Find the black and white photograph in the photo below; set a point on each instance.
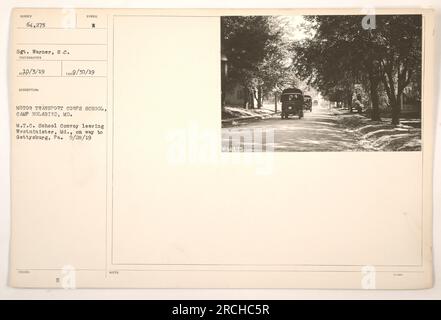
(321, 83)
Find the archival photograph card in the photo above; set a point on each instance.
(215, 148)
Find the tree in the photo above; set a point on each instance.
(342, 53)
(243, 42)
(258, 55)
(401, 61)
(335, 57)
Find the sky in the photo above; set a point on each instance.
(295, 26)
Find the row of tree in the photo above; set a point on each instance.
(338, 56)
(383, 58)
(258, 56)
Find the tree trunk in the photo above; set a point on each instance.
(396, 110)
(394, 97)
(349, 100)
(251, 98)
(259, 97)
(373, 81)
(246, 97)
(223, 98)
(275, 102)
